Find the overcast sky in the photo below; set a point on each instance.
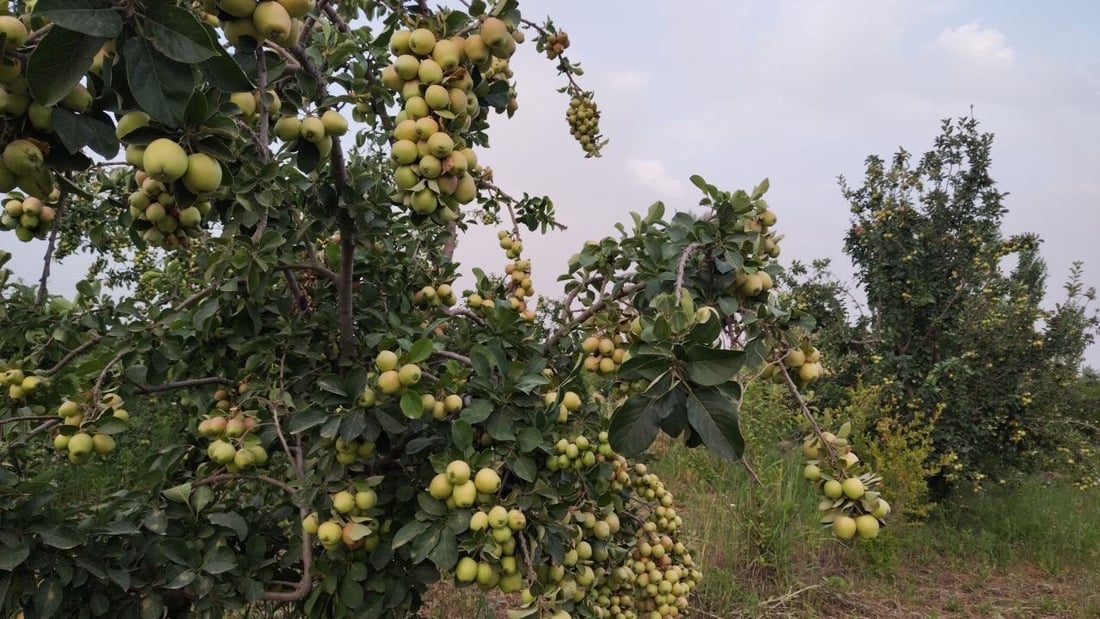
(799, 91)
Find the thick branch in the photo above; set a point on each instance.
(72, 354)
(453, 355)
(302, 589)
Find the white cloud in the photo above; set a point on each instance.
(975, 46)
(652, 174)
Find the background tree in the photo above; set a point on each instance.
(956, 326)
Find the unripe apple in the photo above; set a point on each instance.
(437, 97)
(245, 101)
(129, 122)
(330, 534)
(244, 459)
(405, 152)
(312, 129)
(794, 358)
(389, 382)
(334, 123)
(343, 502)
(22, 157)
(272, 20)
(812, 472)
(516, 520)
(464, 494)
(833, 489)
(440, 145)
(452, 403)
(366, 499)
(498, 517)
(867, 526)
(407, 67)
(80, 444)
(844, 527)
(809, 371)
(190, 217)
(61, 442)
(440, 487)
(238, 8)
(41, 117)
(406, 130)
(853, 488)
(297, 8)
(135, 155)
(288, 128)
(14, 31)
(103, 443)
(259, 454)
(466, 570)
(68, 408)
(421, 41)
(409, 374)
(311, 523)
(495, 33)
(466, 190)
(391, 79)
(204, 173)
(78, 99)
(458, 472)
(479, 521)
(882, 509)
(164, 160)
(476, 50)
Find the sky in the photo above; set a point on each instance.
(798, 91)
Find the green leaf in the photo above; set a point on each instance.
(445, 553)
(528, 439)
(61, 536)
(409, 532)
(202, 497)
(59, 61)
(635, 424)
(525, 468)
(48, 597)
(178, 34)
(418, 352)
(98, 18)
(761, 189)
(223, 72)
(462, 434)
(230, 520)
(218, 560)
(11, 558)
(79, 130)
(332, 384)
(351, 593)
(304, 420)
(178, 494)
(412, 405)
(708, 366)
(160, 85)
(477, 412)
(712, 413)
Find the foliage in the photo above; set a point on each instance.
(346, 432)
(900, 451)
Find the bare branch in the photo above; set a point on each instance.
(453, 355)
(51, 245)
(72, 354)
(682, 266)
(829, 449)
(183, 384)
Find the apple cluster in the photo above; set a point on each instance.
(459, 486)
(278, 20)
(584, 123)
(518, 285)
(434, 169)
(577, 453)
(233, 442)
(851, 502)
(319, 130)
(435, 296)
(20, 384)
(554, 44)
(570, 403)
(173, 186)
(29, 217)
(497, 566)
(80, 446)
(604, 354)
(352, 525)
(348, 452)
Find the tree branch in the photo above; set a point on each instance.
(682, 266)
(183, 384)
(220, 477)
(588, 313)
(829, 449)
(40, 300)
(72, 354)
(453, 355)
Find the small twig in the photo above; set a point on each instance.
(783, 599)
(51, 245)
(183, 384)
(26, 418)
(94, 397)
(72, 354)
(220, 477)
(752, 473)
(829, 449)
(462, 311)
(453, 355)
(316, 268)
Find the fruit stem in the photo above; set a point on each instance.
(40, 300)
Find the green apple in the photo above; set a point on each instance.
(844, 527)
(164, 160)
(22, 157)
(271, 20)
(334, 122)
(204, 173)
(440, 487)
(389, 382)
(409, 374)
(80, 444)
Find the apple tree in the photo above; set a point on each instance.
(350, 427)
